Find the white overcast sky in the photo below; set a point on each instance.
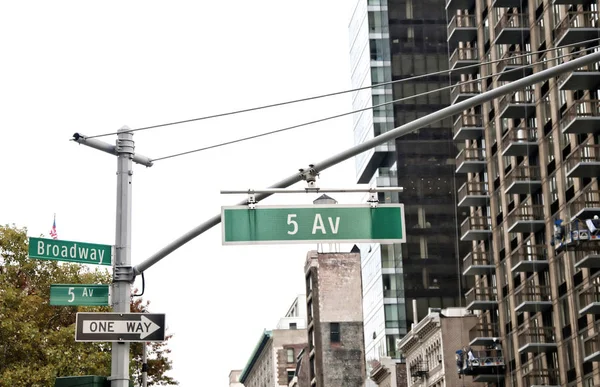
(92, 67)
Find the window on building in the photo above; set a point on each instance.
(334, 332)
(290, 375)
(290, 355)
(293, 325)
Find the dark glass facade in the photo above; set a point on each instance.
(426, 158)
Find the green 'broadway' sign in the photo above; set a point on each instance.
(79, 252)
(78, 295)
(313, 224)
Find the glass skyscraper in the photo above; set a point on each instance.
(394, 40)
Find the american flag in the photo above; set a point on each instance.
(53, 233)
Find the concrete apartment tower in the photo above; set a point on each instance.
(335, 320)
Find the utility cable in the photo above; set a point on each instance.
(356, 111)
(443, 72)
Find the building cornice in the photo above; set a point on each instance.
(262, 342)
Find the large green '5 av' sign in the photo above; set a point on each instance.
(313, 224)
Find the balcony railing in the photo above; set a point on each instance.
(518, 105)
(463, 54)
(483, 333)
(511, 28)
(526, 218)
(589, 299)
(473, 193)
(532, 298)
(511, 65)
(519, 141)
(576, 27)
(536, 339)
(476, 227)
(587, 255)
(464, 91)
(584, 161)
(523, 179)
(478, 261)
(535, 375)
(591, 346)
(468, 126)
(479, 298)
(586, 78)
(529, 258)
(462, 28)
(581, 117)
(586, 204)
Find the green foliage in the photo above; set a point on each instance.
(37, 341)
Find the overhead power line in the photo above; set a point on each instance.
(443, 72)
(519, 68)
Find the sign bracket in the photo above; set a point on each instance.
(123, 273)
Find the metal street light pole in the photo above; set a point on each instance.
(123, 275)
(381, 139)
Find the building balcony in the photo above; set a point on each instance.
(588, 256)
(576, 27)
(473, 194)
(507, 3)
(462, 28)
(584, 161)
(512, 28)
(510, 68)
(520, 104)
(534, 376)
(468, 127)
(418, 369)
(478, 262)
(526, 218)
(484, 334)
(519, 141)
(481, 298)
(471, 160)
(523, 179)
(454, 5)
(581, 117)
(476, 228)
(536, 339)
(581, 79)
(569, 2)
(532, 298)
(464, 91)
(528, 259)
(591, 348)
(464, 60)
(589, 299)
(586, 204)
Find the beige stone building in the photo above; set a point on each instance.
(434, 349)
(532, 162)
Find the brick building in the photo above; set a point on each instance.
(335, 319)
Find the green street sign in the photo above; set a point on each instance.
(79, 295)
(79, 252)
(313, 224)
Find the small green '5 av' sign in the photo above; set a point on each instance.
(79, 295)
(68, 251)
(313, 224)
